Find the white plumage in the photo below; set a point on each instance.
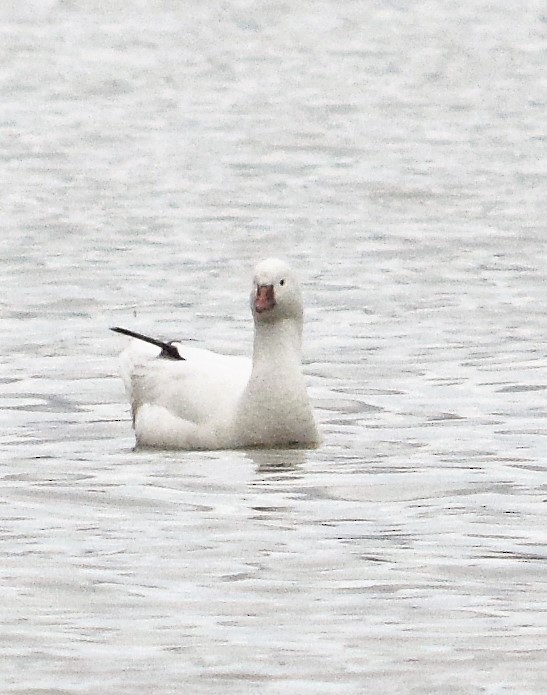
(198, 399)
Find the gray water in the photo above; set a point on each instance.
(395, 153)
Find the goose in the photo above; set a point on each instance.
(183, 397)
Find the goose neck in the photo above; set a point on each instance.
(280, 339)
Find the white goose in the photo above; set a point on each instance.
(190, 398)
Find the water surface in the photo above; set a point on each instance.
(395, 154)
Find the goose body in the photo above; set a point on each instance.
(189, 398)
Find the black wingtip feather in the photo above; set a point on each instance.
(168, 350)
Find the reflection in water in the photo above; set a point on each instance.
(277, 474)
(279, 461)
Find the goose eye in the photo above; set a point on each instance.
(282, 282)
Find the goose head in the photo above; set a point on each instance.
(276, 293)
